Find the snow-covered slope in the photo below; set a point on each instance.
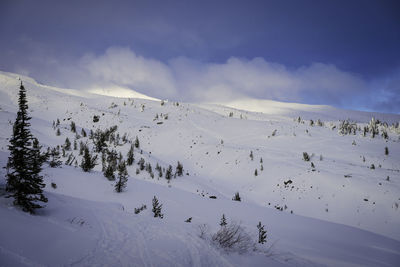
(340, 212)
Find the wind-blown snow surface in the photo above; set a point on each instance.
(336, 220)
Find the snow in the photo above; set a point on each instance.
(336, 220)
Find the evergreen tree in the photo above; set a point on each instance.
(223, 221)
(24, 182)
(58, 132)
(130, 158)
(251, 155)
(81, 148)
(67, 144)
(236, 197)
(386, 150)
(168, 173)
(255, 172)
(43, 156)
(137, 144)
(75, 145)
(159, 169)
(262, 234)
(83, 132)
(103, 161)
(88, 162)
(179, 169)
(157, 208)
(306, 157)
(122, 177)
(54, 158)
(73, 127)
(141, 163)
(109, 173)
(148, 168)
(112, 159)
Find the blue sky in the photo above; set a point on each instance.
(341, 53)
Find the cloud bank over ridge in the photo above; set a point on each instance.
(186, 79)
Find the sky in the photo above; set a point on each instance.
(340, 53)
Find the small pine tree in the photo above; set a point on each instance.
(54, 158)
(88, 161)
(73, 127)
(109, 173)
(137, 144)
(262, 234)
(157, 208)
(159, 169)
(130, 158)
(251, 155)
(223, 221)
(372, 166)
(386, 151)
(75, 145)
(168, 173)
(83, 132)
(261, 160)
(122, 177)
(255, 172)
(58, 132)
(148, 168)
(236, 197)
(179, 169)
(67, 145)
(141, 164)
(261, 167)
(306, 157)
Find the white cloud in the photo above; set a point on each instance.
(185, 79)
(121, 66)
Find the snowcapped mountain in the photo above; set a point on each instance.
(327, 192)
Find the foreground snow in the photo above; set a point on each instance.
(343, 212)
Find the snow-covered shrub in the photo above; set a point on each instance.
(140, 209)
(306, 157)
(96, 118)
(233, 238)
(236, 197)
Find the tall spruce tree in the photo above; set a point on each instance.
(24, 182)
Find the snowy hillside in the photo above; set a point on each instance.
(327, 191)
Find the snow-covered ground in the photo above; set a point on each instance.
(340, 212)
